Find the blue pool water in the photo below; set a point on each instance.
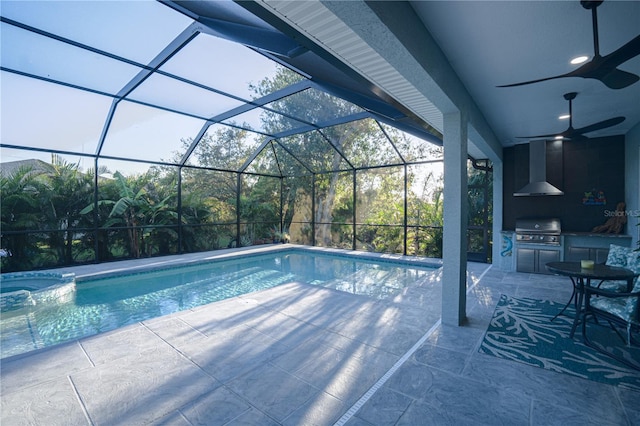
(98, 305)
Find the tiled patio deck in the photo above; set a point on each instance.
(303, 355)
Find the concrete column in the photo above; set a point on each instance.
(454, 250)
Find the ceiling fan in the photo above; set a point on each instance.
(603, 68)
(578, 134)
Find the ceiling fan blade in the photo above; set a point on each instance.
(618, 79)
(614, 79)
(577, 134)
(624, 53)
(570, 135)
(576, 137)
(600, 125)
(603, 68)
(596, 68)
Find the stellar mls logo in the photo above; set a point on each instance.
(618, 213)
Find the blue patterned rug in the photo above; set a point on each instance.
(521, 330)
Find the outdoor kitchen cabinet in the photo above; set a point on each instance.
(588, 246)
(576, 254)
(533, 260)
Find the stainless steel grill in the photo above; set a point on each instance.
(544, 231)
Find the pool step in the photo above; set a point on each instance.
(376, 283)
(236, 283)
(19, 334)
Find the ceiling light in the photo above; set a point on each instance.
(564, 117)
(579, 59)
(558, 137)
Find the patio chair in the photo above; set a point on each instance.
(621, 309)
(618, 256)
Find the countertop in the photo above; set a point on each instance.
(582, 234)
(594, 234)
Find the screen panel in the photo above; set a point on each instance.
(144, 133)
(45, 115)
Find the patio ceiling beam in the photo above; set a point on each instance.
(260, 38)
(265, 39)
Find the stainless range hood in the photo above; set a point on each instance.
(538, 185)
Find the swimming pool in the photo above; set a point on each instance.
(99, 304)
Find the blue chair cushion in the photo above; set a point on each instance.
(625, 308)
(633, 263)
(618, 255)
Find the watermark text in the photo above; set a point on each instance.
(618, 213)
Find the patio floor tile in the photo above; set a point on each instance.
(136, 392)
(273, 390)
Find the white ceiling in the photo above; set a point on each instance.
(490, 43)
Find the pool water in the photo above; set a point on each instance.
(99, 305)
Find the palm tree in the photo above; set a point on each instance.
(127, 210)
(68, 190)
(20, 211)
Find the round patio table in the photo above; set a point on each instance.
(581, 277)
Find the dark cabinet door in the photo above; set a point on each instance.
(576, 254)
(546, 256)
(601, 255)
(526, 260)
(535, 260)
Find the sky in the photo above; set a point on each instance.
(45, 115)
